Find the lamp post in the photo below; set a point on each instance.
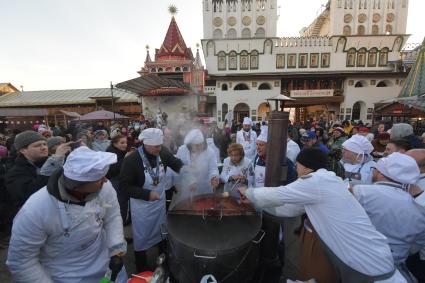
(113, 102)
(270, 268)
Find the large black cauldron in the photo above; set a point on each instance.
(211, 234)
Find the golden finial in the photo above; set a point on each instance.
(172, 9)
(147, 46)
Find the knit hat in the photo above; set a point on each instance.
(51, 142)
(313, 158)
(26, 138)
(401, 130)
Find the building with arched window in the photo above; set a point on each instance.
(338, 66)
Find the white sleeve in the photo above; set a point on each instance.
(420, 200)
(301, 192)
(113, 221)
(212, 165)
(225, 172)
(28, 237)
(52, 164)
(238, 138)
(287, 210)
(360, 192)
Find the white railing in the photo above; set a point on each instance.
(303, 41)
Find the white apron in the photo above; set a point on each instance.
(84, 256)
(357, 174)
(148, 216)
(259, 175)
(248, 146)
(231, 186)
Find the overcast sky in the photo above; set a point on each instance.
(58, 44)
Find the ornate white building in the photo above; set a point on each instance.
(343, 63)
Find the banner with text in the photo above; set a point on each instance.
(312, 93)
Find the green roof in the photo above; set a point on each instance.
(63, 97)
(414, 85)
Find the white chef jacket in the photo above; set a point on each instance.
(394, 213)
(38, 242)
(203, 166)
(249, 147)
(292, 150)
(229, 169)
(337, 217)
(420, 200)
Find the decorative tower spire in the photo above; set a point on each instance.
(173, 46)
(198, 62)
(172, 9)
(148, 57)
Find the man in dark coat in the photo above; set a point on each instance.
(32, 167)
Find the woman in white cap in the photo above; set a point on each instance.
(70, 230)
(247, 138)
(235, 169)
(357, 160)
(392, 209)
(201, 161)
(142, 177)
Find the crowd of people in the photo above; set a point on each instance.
(71, 191)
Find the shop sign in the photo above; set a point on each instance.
(312, 93)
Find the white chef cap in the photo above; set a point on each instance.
(358, 144)
(247, 121)
(399, 167)
(152, 136)
(86, 165)
(264, 133)
(194, 136)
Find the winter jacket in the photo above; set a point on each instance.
(23, 179)
(115, 169)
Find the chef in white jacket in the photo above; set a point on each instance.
(355, 249)
(69, 230)
(292, 149)
(235, 170)
(201, 160)
(392, 209)
(247, 138)
(418, 193)
(357, 160)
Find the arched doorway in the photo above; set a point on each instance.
(263, 111)
(241, 111)
(359, 111)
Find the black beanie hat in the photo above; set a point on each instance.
(313, 158)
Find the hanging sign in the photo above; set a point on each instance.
(312, 93)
